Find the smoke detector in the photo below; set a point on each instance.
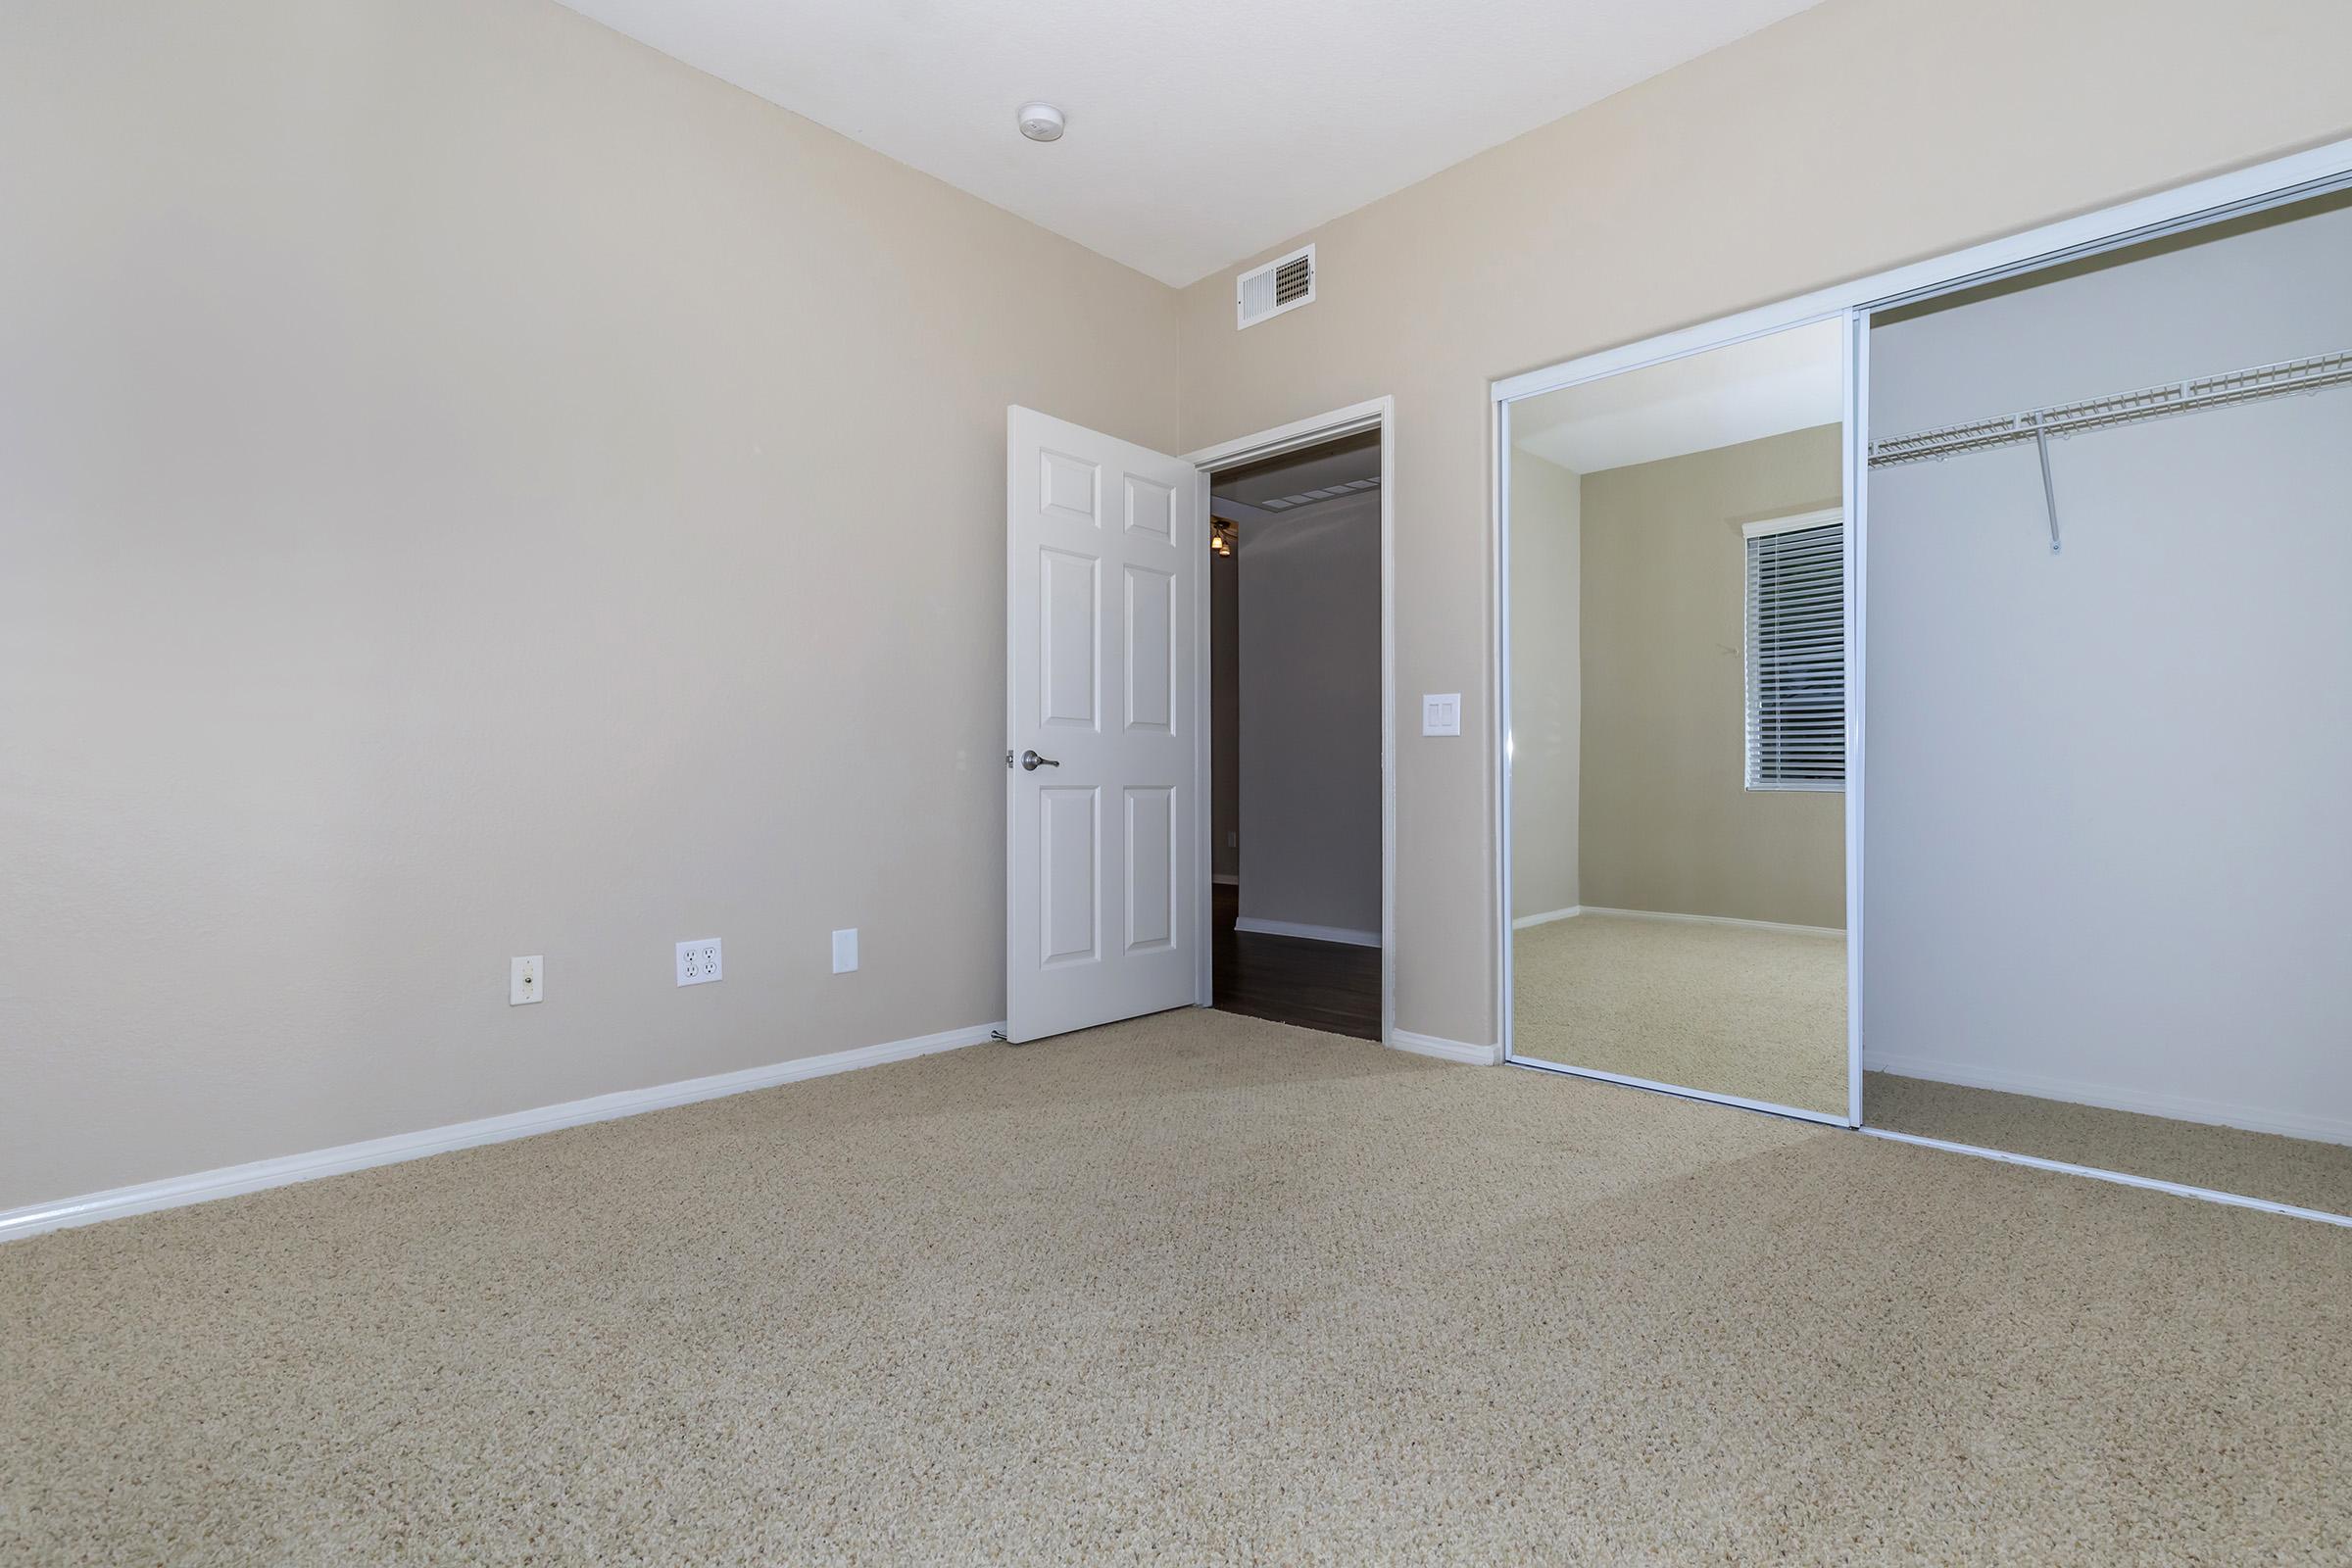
(1040, 123)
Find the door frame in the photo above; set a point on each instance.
(1374, 414)
(2196, 204)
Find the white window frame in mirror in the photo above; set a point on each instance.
(1750, 635)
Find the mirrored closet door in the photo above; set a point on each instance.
(1676, 751)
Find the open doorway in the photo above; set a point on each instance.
(1296, 829)
(1108, 897)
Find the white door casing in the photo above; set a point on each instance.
(1103, 564)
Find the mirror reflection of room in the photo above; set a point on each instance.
(1677, 724)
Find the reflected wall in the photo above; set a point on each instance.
(1676, 918)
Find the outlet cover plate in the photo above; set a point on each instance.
(1441, 713)
(526, 981)
(699, 961)
(845, 951)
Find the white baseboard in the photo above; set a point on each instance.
(1547, 916)
(1312, 933)
(231, 1179)
(1713, 920)
(1445, 1049)
(2177, 1107)
(1224, 881)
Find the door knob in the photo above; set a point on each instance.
(1031, 761)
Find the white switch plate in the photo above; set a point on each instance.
(698, 962)
(1441, 713)
(526, 981)
(845, 951)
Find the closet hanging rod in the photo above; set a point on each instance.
(2125, 408)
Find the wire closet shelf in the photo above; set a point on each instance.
(2284, 379)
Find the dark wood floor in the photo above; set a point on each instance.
(1330, 986)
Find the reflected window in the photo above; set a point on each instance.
(1797, 654)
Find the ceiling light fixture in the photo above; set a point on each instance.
(1040, 123)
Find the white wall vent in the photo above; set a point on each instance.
(1283, 284)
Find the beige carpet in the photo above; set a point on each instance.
(1731, 1010)
(2227, 1159)
(1195, 1290)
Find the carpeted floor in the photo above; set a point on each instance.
(2227, 1159)
(1192, 1290)
(1732, 1009)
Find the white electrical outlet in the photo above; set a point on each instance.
(698, 962)
(526, 981)
(845, 951)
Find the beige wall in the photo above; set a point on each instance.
(1309, 660)
(1851, 137)
(472, 486)
(1547, 685)
(1668, 823)
(1225, 713)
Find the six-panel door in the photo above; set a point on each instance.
(1102, 569)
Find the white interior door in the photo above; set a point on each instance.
(1102, 710)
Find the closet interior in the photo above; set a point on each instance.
(2109, 712)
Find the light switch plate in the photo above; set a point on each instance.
(698, 962)
(1441, 713)
(526, 981)
(845, 951)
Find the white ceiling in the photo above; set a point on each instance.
(1792, 380)
(1200, 132)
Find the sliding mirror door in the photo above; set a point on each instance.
(1675, 754)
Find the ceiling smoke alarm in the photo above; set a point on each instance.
(1041, 122)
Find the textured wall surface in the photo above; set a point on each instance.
(473, 486)
(1668, 821)
(1310, 716)
(1547, 695)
